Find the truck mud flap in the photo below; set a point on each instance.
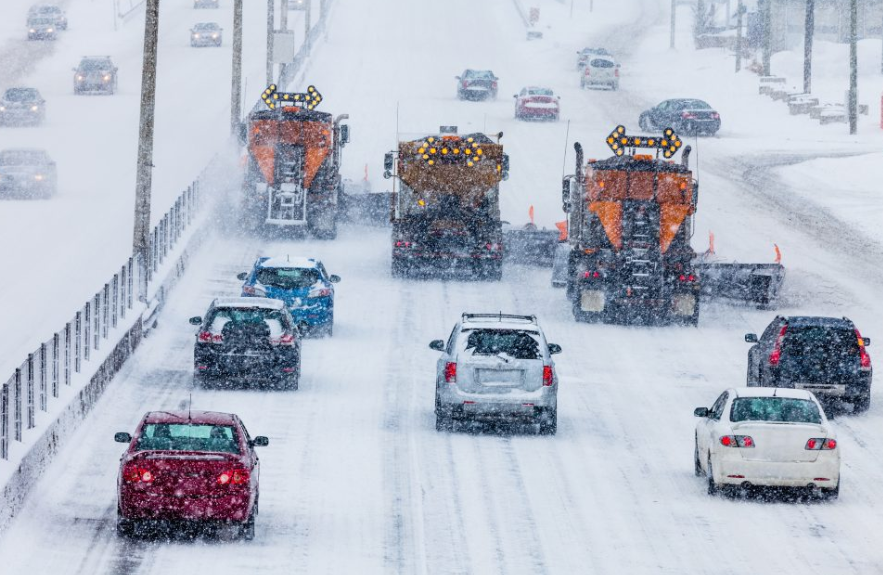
(559, 265)
(753, 283)
(531, 247)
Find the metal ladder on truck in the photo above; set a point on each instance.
(287, 200)
(640, 249)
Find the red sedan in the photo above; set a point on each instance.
(197, 466)
(536, 103)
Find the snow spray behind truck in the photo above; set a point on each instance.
(292, 176)
(446, 213)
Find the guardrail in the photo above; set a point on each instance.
(79, 342)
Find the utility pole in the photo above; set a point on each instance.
(141, 236)
(740, 11)
(808, 32)
(283, 15)
(307, 19)
(767, 15)
(270, 20)
(674, 13)
(236, 86)
(852, 107)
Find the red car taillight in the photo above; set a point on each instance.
(404, 244)
(687, 278)
(465, 84)
(249, 290)
(737, 441)
(209, 337)
(688, 115)
(451, 372)
(616, 72)
(776, 354)
(233, 477)
(494, 85)
(548, 376)
(494, 247)
(589, 274)
(715, 116)
(135, 474)
(286, 339)
(864, 358)
(820, 443)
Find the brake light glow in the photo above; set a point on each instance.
(616, 73)
(465, 83)
(285, 339)
(820, 444)
(737, 441)
(209, 337)
(320, 292)
(864, 358)
(451, 372)
(233, 477)
(715, 115)
(776, 354)
(404, 244)
(688, 278)
(249, 290)
(138, 475)
(494, 247)
(688, 116)
(548, 377)
(591, 274)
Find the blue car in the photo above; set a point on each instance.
(301, 283)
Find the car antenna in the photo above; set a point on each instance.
(189, 407)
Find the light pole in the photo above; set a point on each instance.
(270, 19)
(740, 11)
(141, 235)
(674, 13)
(809, 30)
(853, 67)
(236, 85)
(307, 18)
(767, 15)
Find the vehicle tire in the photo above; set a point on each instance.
(713, 488)
(549, 422)
(582, 84)
(125, 527)
(247, 529)
(444, 423)
(290, 382)
(862, 402)
(614, 86)
(831, 494)
(697, 463)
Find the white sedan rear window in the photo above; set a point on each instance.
(775, 409)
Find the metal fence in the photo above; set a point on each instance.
(90, 330)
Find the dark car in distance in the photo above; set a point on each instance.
(20, 106)
(54, 13)
(824, 355)
(687, 116)
(95, 75)
(188, 467)
(477, 85)
(252, 339)
(206, 34)
(27, 174)
(42, 28)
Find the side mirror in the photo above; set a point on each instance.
(867, 341)
(122, 437)
(344, 134)
(260, 441)
(388, 165)
(437, 345)
(701, 412)
(514, 95)
(196, 320)
(334, 278)
(751, 337)
(554, 348)
(242, 276)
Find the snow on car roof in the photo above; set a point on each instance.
(288, 262)
(246, 302)
(526, 327)
(772, 392)
(179, 416)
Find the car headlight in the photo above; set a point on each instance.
(80, 78)
(214, 35)
(2, 108)
(196, 35)
(32, 31)
(38, 177)
(33, 108)
(107, 77)
(49, 30)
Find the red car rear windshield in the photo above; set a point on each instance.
(188, 437)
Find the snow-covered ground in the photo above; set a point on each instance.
(357, 480)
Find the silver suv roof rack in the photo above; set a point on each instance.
(471, 317)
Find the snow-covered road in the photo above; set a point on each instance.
(356, 479)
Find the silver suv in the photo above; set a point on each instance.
(496, 368)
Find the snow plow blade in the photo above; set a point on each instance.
(532, 247)
(753, 283)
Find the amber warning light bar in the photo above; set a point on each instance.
(669, 143)
(273, 99)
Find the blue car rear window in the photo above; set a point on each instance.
(288, 278)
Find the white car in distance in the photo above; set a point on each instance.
(767, 437)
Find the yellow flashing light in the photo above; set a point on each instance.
(432, 150)
(444, 151)
(456, 151)
(421, 202)
(431, 162)
(425, 156)
(421, 150)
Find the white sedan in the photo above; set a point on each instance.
(767, 437)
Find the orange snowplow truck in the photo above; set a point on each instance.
(629, 223)
(293, 174)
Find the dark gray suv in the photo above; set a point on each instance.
(824, 355)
